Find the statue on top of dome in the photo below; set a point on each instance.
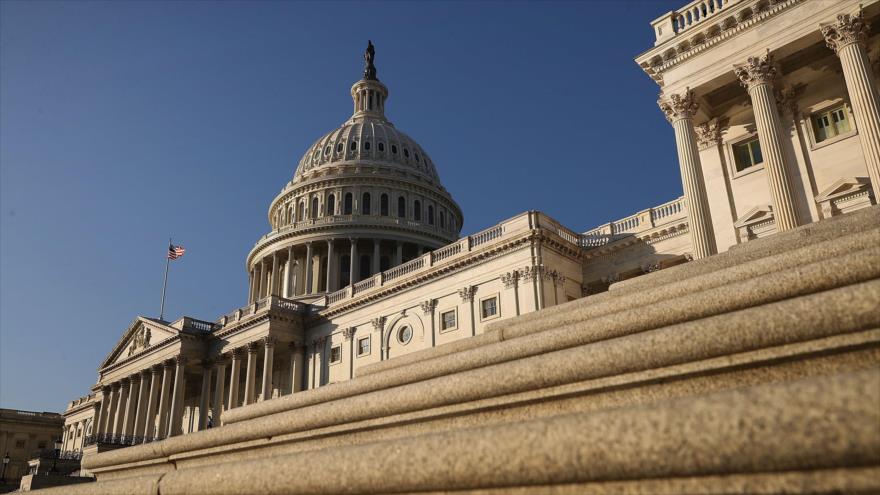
(369, 68)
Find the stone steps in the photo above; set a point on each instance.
(805, 244)
(761, 373)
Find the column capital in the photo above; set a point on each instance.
(467, 293)
(296, 346)
(756, 71)
(268, 341)
(428, 306)
(710, 133)
(156, 369)
(349, 332)
(353, 240)
(378, 323)
(180, 360)
(252, 347)
(207, 363)
(678, 106)
(849, 29)
(235, 353)
(509, 279)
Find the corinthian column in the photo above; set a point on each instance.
(757, 76)
(680, 110)
(847, 38)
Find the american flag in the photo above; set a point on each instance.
(175, 252)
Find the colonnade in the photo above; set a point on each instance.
(73, 433)
(145, 406)
(847, 38)
(317, 266)
(149, 405)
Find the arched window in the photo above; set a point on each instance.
(401, 206)
(313, 213)
(406, 152)
(366, 145)
(381, 146)
(300, 214)
(430, 214)
(339, 147)
(331, 205)
(365, 204)
(383, 205)
(417, 211)
(346, 205)
(442, 219)
(353, 146)
(394, 148)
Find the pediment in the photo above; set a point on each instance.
(758, 214)
(843, 187)
(138, 337)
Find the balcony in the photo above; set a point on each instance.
(636, 224)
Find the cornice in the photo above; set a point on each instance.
(655, 72)
(477, 258)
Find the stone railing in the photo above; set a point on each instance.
(194, 325)
(271, 302)
(358, 220)
(634, 224)
(454, 252)
(696, 13)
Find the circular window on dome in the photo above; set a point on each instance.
(394, 149)
(406, 152)
(339, 148)
(404, 335)
(381, 146)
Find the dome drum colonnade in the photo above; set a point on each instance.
(365, 198)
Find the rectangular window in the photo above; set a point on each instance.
(489, 307)
(335, 354)
(448, 320)
(830, 123)
(363, 346)
(747, 154)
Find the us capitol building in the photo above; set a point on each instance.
(775, 113)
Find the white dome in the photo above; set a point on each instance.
(367, 141)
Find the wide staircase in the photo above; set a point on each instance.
(752, 371)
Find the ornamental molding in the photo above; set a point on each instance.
(756, 71)
(849, 29)
(678, 106)
(730, 27)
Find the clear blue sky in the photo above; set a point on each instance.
(124, 123)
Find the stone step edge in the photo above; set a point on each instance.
(827, 422)
(816, 277)
(825, 229)
(568, 313)
(851, 342)
(843, 312)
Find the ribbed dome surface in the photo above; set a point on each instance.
(372, 140)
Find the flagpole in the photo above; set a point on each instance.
(165, 283)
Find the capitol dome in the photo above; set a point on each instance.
(365, 197)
